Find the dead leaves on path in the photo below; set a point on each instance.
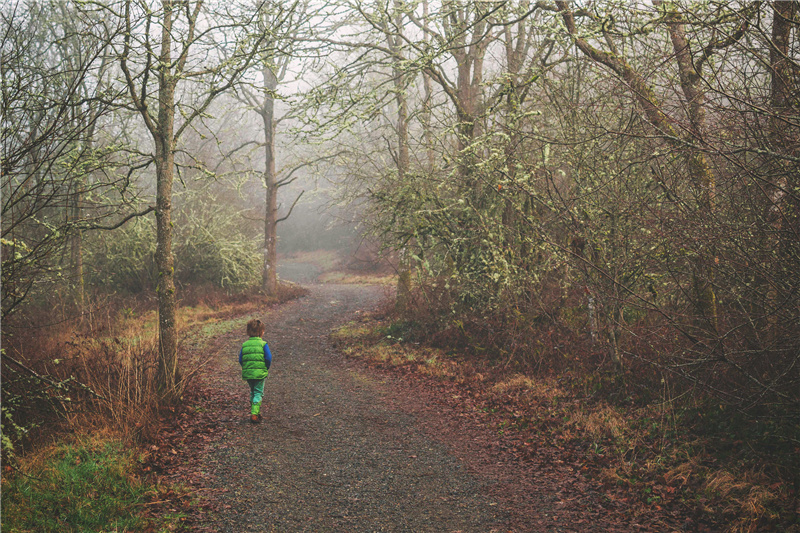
(182, 442)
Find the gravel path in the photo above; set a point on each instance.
(333, 453)
(344, 448)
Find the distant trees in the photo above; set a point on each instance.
(624, 172)
(60, 168)
(285, 24)
(625, 175)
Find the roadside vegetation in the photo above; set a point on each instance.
(650, 444)
(82, 412)
(86, 483)
(590, 209)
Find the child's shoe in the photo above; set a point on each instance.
(255, 419)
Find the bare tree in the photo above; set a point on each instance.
(54, 60)
(689, 138)
(284, 24)
(177, 72)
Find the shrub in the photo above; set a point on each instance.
(211, 248)
(123, 260)
(88, 485)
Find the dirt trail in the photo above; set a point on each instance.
(342, 448)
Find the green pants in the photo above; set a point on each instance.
(256, 394)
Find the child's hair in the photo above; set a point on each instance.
(255, 328)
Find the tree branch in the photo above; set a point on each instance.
(291, 208)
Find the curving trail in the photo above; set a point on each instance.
(343, 448)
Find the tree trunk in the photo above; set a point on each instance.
(168, 376)
(702, 177)
(427, 104)
(403, 158)
(780, 63)
(783, 207)
(76, 252)
(270, 277)
(782, 87)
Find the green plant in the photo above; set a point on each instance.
(210, 247)
(81, 486)
(123, 260)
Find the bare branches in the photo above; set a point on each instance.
(291, 208)
(89, 226)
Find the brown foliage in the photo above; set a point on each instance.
(64, 377)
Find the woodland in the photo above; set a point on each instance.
(602, 194)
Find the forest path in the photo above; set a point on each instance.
(345, 448)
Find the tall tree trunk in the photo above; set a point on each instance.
(780, 62)
(403, 161)
(459, 23)
(783, 86)
(270, 277)
(427, 104)
(702, 177)
(168, 376)
(783, 209)
(403, 157)
(76, 251)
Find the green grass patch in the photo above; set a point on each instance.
(80, 486)
(212, 329)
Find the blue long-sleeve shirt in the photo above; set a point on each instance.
(267, 356)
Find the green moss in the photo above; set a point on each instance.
(77, 487)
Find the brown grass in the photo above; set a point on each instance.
(644, 448)
(358, 279)
(601, 422)
(106, 377)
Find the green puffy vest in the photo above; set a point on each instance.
(253, 366)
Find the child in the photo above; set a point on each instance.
(255, 359)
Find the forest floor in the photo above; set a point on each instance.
(344, 447)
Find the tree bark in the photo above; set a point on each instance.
(270, 277)
(780, 63)
(163, 134)
(783, 207)
(403, 158)
(702, 177)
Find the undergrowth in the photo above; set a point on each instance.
(62, 382)
(86, 484)
(686, 453)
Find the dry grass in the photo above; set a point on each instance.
(107, 379)
(741, 501)
(350, 278)
(327, 260)
(644, 448)
(602, 422)
(534, 391)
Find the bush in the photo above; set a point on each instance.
(123, 260)
(82, 486)
(211, 248)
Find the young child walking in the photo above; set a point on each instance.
(255, 359)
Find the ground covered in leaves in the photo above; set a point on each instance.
(366, 433)
(666, 466)
(346, 447)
